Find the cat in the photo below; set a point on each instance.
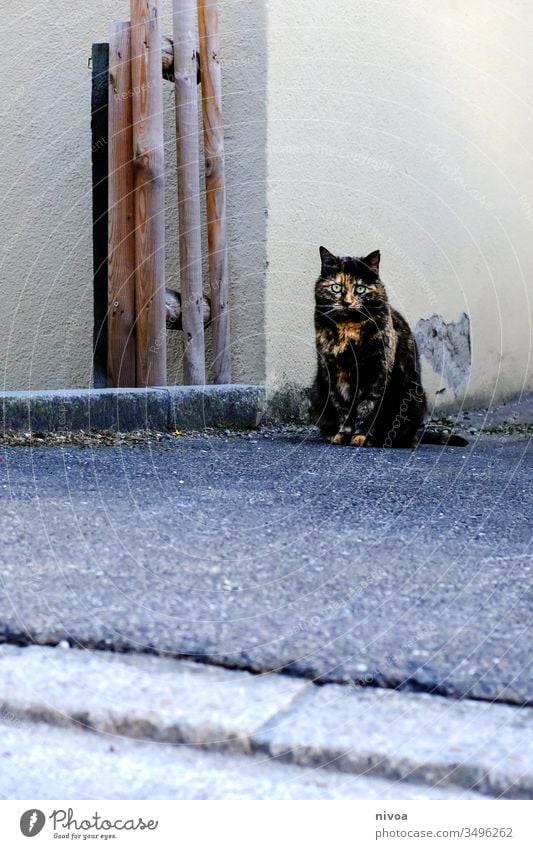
(368, 390)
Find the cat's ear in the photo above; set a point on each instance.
(372, 260)
(329, 261)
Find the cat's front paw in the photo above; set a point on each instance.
(359, 439)
(340, 438)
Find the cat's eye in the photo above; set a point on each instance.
(336, 288)
(361, 290)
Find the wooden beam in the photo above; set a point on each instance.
(149, 193)
(121, 252)
(188, 154)
(174, 311)
(215, 186)
(99, 145)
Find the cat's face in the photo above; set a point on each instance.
(349, 288)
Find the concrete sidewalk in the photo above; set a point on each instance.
(371, 743)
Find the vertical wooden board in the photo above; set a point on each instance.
(99, 153)
(149, 193)
(121, 262)
(189, 209)
(215, 186)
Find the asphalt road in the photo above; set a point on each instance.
(389, 568)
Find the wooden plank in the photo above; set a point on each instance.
(99, 145)
(121, 225)
(215, 186)
(189, 209)
(149, 193)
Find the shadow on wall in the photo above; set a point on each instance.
(244, 79)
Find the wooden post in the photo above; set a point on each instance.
(215, 186)
(189, 210)
(121, 262)
(99, 138)
(149, 193)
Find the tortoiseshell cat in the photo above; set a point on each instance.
(367, 390)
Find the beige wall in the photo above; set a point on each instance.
(400, 126)
(45, 187)
(405, 127)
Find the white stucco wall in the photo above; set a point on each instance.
(404, 126)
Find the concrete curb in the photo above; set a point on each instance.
(412, 738)
(237, 406)
(37, 763)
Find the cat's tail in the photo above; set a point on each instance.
(435, 436)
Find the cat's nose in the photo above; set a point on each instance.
(352, 305)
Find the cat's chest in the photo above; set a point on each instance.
(346, 337)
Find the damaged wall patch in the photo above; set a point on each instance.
(446, 347)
